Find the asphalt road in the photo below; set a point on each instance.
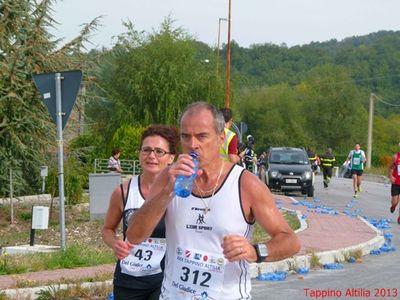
(377, 277)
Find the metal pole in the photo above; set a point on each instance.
(43, 184)
(11, 198)
(32, 238)
(59, 115)
(370, 121)
(228, 61)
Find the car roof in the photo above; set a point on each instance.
(286, 149)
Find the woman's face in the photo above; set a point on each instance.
(150, 158)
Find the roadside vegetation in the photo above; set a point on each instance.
(84, 248)
(84, 243)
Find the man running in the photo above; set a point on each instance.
(357, 159)
(327, 162)
(394, 175)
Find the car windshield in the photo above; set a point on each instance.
(288, 157)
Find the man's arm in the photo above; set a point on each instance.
(232, 150)
(390, 169)
(364, 157)
(284, 242)
(258, 203)
(348, 157)
(144, 220)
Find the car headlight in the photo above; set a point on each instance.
(274, 174)
(308, 174)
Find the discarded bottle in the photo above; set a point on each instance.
(110, 296)
(302, 270)
(351, 259)
(333, 266)
(184, 184)
(272, 276)
(388, 238)
(375, 252)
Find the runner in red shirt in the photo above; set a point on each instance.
(394, 175)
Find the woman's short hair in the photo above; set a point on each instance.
(168, 132)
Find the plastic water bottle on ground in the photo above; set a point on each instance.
(184, 184)
(388, 238)
(110, 296)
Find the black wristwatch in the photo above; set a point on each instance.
(262, 252)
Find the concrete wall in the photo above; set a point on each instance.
(101, 187)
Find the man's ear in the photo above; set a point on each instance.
(222, 137)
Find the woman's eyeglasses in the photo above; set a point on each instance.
(157, 151)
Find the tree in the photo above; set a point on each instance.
(273, 117)
(150, 77)
(333, 108)
(26, 47)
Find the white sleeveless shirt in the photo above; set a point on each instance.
(144, 259)
(195, 265)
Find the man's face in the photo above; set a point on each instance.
(357, 147)
(198, 134)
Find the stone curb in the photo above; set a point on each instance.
(33, 292)
(325, 257)
(28, 199)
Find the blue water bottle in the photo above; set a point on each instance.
(184, 184)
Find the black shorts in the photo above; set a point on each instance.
(121, 293)
(357, 172)
(395, 190)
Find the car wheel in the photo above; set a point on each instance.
(310, 192)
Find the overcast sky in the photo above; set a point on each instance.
(294, 22)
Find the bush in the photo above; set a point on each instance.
(127, 138)
(385, 160)
(75, 178)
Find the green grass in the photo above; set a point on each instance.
(77, 292)
(259, 235)
(75, 255)
(377, 171)
(314, 259)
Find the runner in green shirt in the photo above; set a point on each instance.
(357, 159)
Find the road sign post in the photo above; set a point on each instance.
(60, 148)
(59, 91)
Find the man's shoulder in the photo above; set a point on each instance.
(231, 132)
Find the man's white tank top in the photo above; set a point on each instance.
(195, 265)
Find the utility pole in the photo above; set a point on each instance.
(218, 42)
(370, 121)
(228, 60)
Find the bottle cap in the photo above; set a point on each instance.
(193, 154)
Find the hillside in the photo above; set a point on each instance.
(373, 62)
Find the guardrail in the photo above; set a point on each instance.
(129, 167)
